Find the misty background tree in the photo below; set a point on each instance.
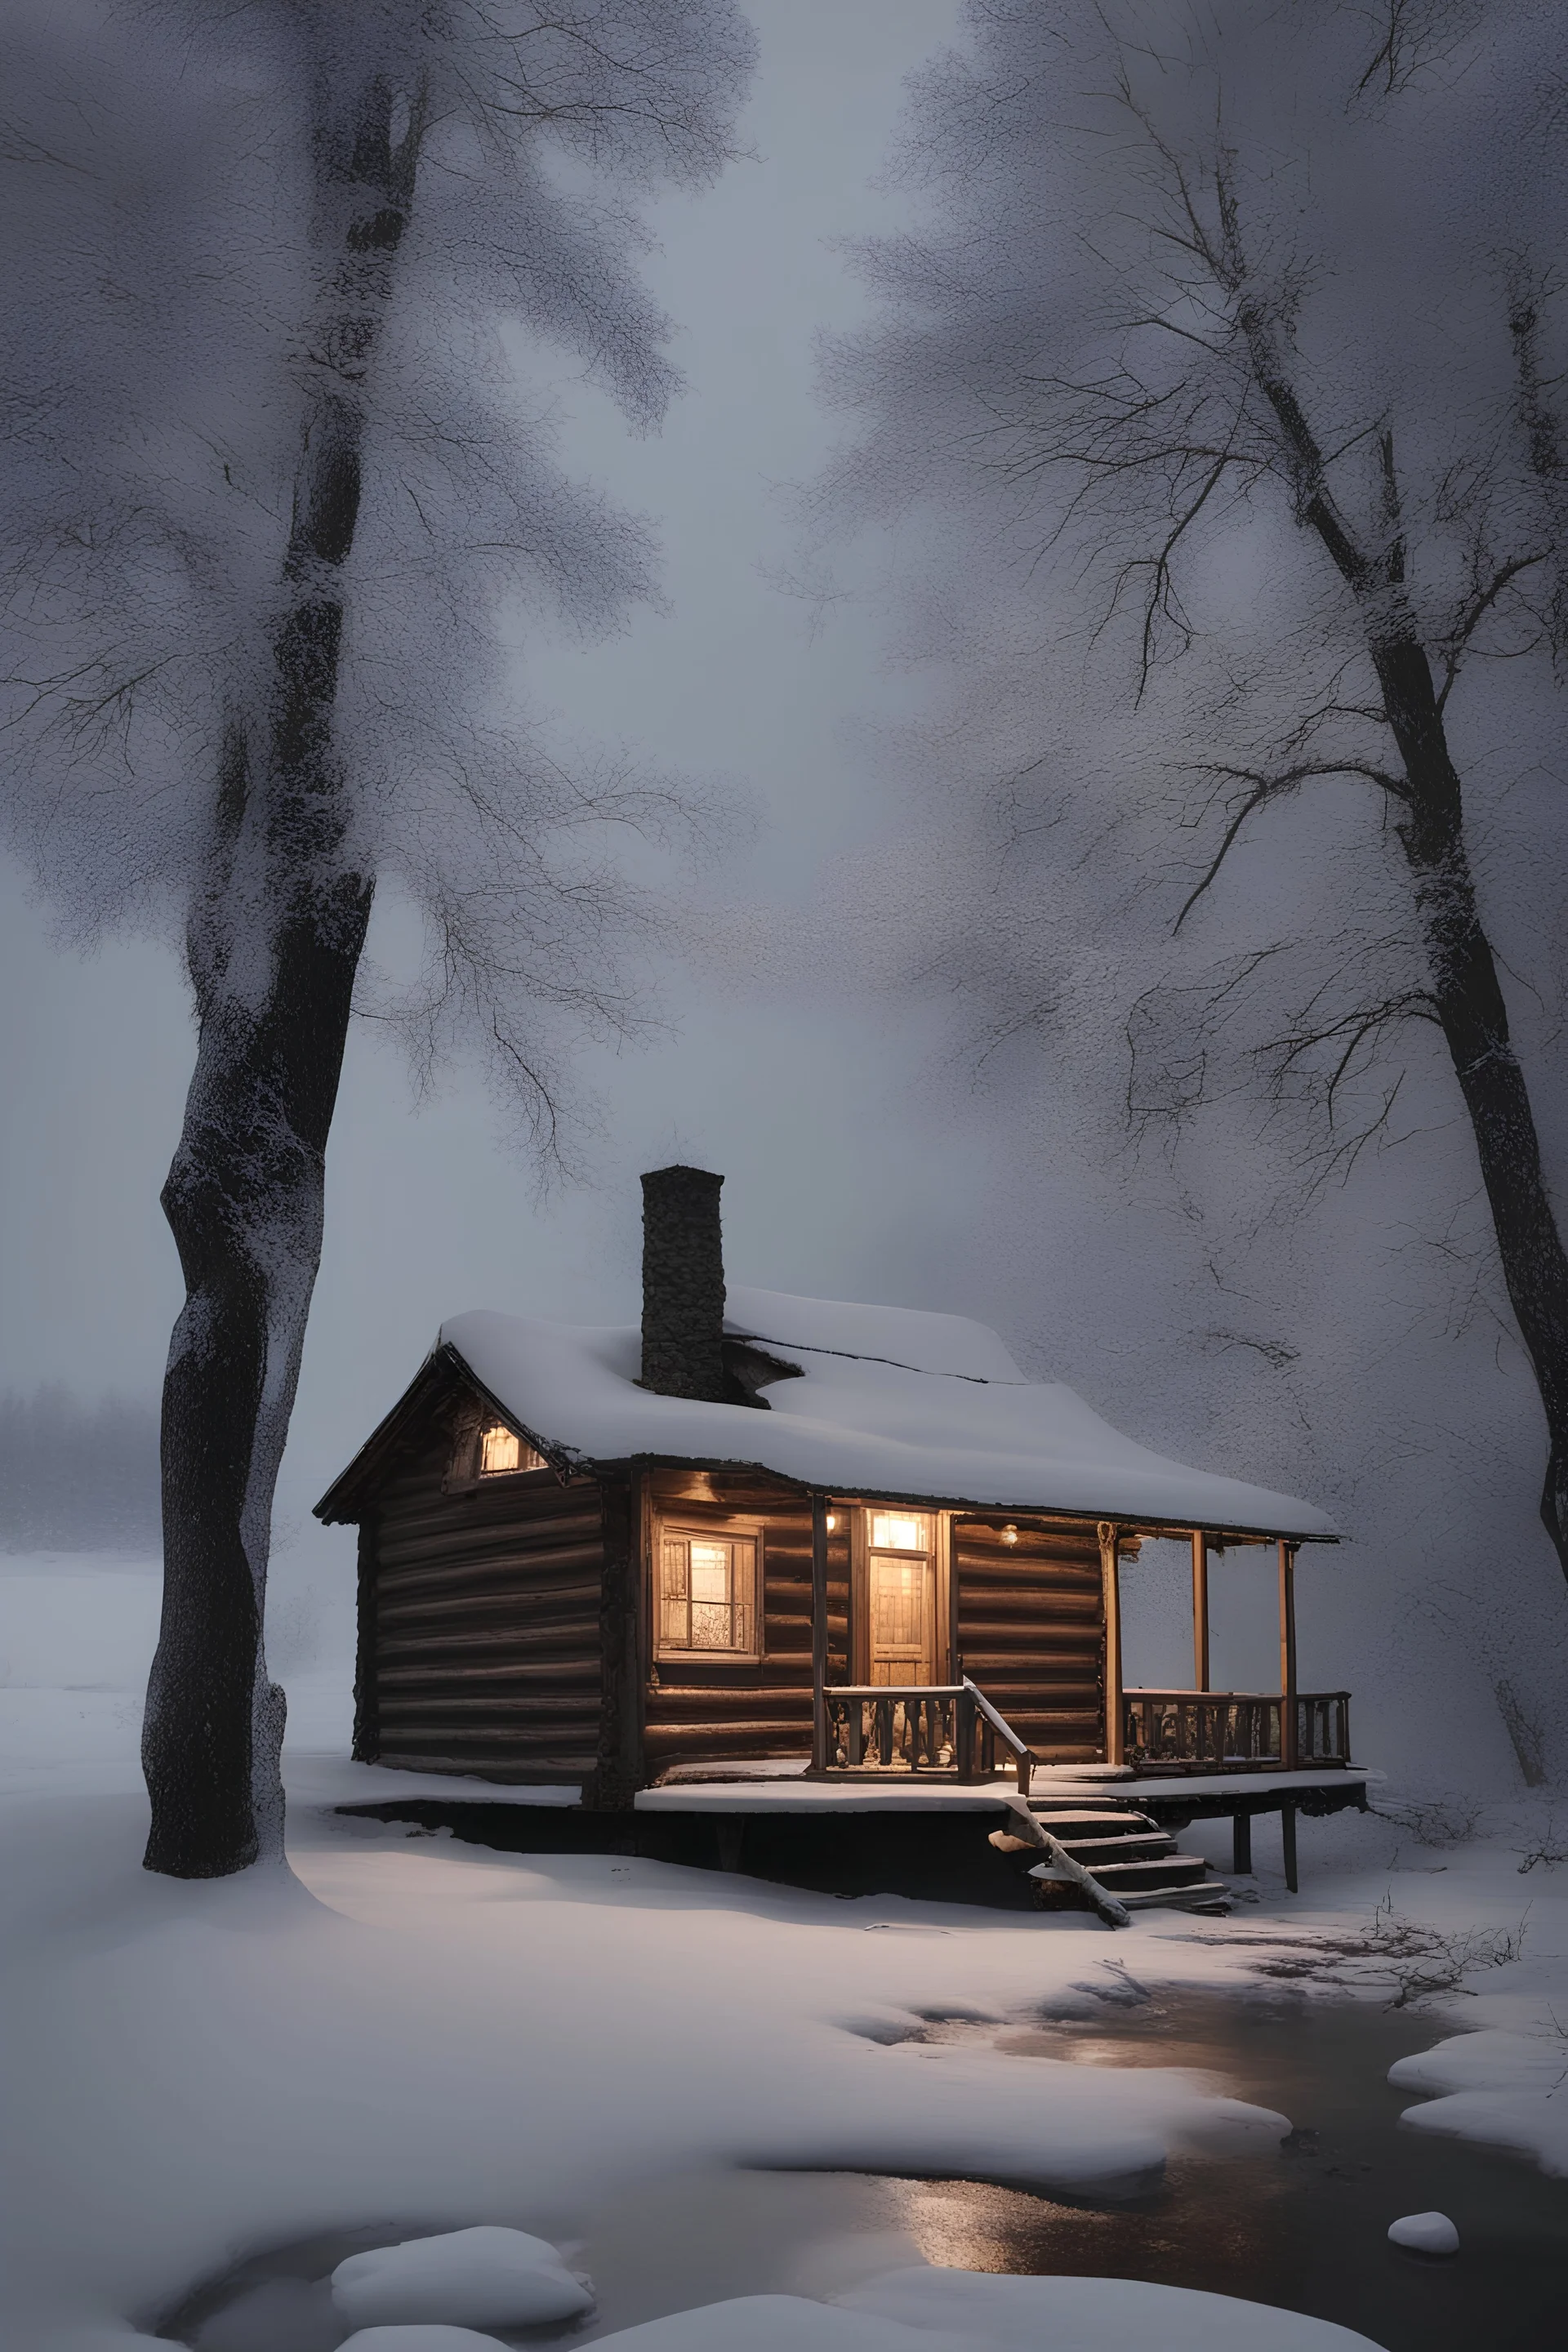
(1229, 361)
(276, 494)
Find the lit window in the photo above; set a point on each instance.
(501, 1449)
(896, 1531)
(707, 1598)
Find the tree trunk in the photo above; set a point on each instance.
(1468, 1000)
(274, 942)
(1466, 992)
(244, 1200)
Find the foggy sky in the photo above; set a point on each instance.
(857, 1165)
(430, 1208)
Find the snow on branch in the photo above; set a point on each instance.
(226, 231)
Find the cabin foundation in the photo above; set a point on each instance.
(934, 1846)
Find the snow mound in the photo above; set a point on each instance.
(484, 2277)
(429, 2338)
(1425, 2233)
(1487, 2061)
(973, 2311)
(1496, 2088)
(771, 2323)
(994, 2313)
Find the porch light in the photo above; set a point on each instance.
(1009, 1533)
(831, 1521)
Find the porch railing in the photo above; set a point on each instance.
(951, 1728)
(1215, 1728)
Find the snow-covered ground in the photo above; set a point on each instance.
(76, 1634)
(401, 2026)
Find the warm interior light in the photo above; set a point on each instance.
(896, 1531)
(1009, 1533)
(831, 1521)
(709, 1572)
(501, 1448)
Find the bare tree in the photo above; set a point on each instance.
(1236, 334)
(270, 485)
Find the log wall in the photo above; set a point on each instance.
(506, 1630)
(480, 1637)
(702, 1713)
(1031, 1632)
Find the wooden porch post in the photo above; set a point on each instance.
(1287, 1756)
(819, 1633)
(1115, 1712)
(1241, 1843)
(1200, 1609)
(1288, 1843)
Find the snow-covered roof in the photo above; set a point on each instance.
(892, 1402)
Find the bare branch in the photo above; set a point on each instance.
(1264, 788)
(1476, 611)
(1416, 35)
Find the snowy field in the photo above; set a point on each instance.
(405, 2026)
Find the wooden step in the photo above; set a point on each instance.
(1126, 1860)
(1142, 1845)
(1145, 1886)
(1095, 1808)
(1208, 1895)
(1077, 1823)
(1121, 1878)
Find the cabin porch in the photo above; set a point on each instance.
(888, 1729)
(922, 1720)
(749, 1802)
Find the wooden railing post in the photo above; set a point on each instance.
(1200, 1609)
(1109, 1573)
(964, 1734)
(819, 1633)
(1208, 1729)
(1288, 1744)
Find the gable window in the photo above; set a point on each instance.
(707, 1600)
(503, 1450)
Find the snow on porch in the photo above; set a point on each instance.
(917, 1792)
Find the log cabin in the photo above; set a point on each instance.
(768, 1535)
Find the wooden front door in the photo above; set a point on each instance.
(900, 1598)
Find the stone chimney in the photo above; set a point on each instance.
(683, 1286)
